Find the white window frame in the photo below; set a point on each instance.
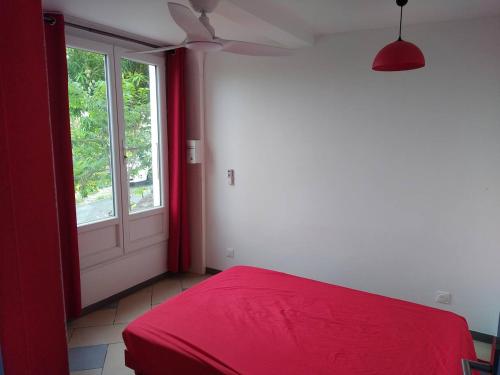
(161, 98)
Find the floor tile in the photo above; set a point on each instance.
(87, 357)
(96, 371)
(483, 350)
(115, 361)
(96, 335)
(190, 279)
(96, 318)
(133, 306)
(165, 289)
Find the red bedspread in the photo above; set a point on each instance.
(248, 320)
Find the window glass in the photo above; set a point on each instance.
(90, 135)
(141, 134)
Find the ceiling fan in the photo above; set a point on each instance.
(201, 35)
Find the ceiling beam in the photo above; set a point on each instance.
(271, 20)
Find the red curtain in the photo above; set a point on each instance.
(32, 330)
(179, 255)
(55, 50)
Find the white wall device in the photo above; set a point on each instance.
(443, 296)
(194, 153)
(230, 176)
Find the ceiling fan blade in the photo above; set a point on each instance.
(186, 19)
(253, 49)
(161, 49)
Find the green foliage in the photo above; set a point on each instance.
(136, 102)
(89, 114)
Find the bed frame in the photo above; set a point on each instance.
(488, 368)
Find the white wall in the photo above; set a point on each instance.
(385, 182)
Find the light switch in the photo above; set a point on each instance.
(230, 176)
(194, 151)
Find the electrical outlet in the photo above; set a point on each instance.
(443, 296)
(229, 252)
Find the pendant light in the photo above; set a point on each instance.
(399, 55)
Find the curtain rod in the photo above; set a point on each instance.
(51, 21)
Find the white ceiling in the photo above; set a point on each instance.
(331, 16)
(289, 22)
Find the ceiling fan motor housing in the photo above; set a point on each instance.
(204, 6)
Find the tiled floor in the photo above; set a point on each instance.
(95, 340)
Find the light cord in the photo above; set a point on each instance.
(400, 23)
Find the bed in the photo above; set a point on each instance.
(248, 320)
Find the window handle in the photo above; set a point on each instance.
(125, 149)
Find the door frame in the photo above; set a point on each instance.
(123, 220)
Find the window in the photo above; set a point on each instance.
(90, 135)
(115, 113)
(141, 134)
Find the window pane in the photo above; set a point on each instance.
(141, 134)
(90, 135)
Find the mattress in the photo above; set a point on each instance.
(248, 320)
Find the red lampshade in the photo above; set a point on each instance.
(399, 55)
